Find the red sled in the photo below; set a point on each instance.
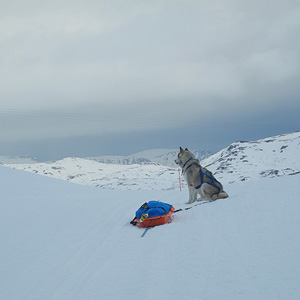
(145, 221)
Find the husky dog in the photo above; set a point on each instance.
(199, 179)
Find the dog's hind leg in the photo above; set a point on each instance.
(203, 195)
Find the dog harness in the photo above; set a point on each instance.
(201, 175)
(211, 183)
(186, 163)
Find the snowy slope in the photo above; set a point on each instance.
(163, 157)
(270, 157)
(112, 176)
(62, 241)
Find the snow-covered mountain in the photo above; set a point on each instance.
(112, 176)
(163, 157)
(271, 157)
(63, 241)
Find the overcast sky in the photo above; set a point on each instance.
(92, 77)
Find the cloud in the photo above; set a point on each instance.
(72, 68)
(69, 18)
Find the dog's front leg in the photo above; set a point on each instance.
(195, 195)
(192, 195)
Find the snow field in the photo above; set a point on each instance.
(60, 240)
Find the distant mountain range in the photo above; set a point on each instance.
(17, 160)
(155, 169)
(163, 157)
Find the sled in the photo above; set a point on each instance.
(155, 221)
(153, 213)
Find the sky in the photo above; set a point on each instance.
(88, 78)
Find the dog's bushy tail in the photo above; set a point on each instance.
(222, 195)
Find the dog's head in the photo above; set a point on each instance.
(183, 156)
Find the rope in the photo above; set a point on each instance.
(187, 208)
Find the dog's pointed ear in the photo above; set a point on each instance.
(186, 149)
(180, 149)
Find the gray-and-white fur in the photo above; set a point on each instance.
(199, 179)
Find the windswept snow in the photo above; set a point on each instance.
(65, 241)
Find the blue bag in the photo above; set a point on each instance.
(153, 209)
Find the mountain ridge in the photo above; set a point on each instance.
(14, 159)
(163, 157)
(241, 161)
(269, 157)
